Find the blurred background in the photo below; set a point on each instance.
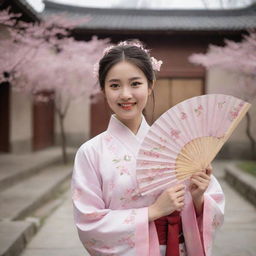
(50, 104)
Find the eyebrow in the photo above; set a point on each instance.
(118, 80)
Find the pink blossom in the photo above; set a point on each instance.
(156, 64)
(236, 57)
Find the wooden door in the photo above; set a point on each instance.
(43, 124)
(182, 89)
(99, 116)
(169, 92)
(4, 117)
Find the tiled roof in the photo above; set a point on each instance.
(21, 6)
(160, 20)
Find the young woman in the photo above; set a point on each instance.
(111, 219)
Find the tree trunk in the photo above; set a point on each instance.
(248, 132)
(63, 138)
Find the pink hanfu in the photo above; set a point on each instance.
(110, 219)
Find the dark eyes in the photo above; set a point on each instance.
(136, 83)
(114, 85)
(133, 84)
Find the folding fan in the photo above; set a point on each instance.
(185, 139)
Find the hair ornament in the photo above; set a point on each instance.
(156, 64)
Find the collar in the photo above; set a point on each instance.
(121, 132)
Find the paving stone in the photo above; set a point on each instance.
(17, 167)
(58, 237)
(14, 235)
(20, 199)
(237, 235)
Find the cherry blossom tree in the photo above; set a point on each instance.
(240, 59)
(43, 57)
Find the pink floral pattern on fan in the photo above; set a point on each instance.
(202, 116)
(220, 104)
(151, 154)
(199, 110)
(184, 116)
(175, 134)
(234, 112)
(160, 148)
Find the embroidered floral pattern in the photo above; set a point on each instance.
(123, 170)
(129, 196)
(131, 218)
(108, 138)
(129, 240)
(76, 194)
(115, 160)
(101, 245)
(95, 215)
(91, 242)
(215, 222)
(127, 158)
(112, 185)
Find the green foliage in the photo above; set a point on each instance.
(248, 166)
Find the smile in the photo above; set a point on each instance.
(126, 106)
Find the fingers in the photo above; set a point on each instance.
(201, 184)
(201, 179)
(176, 194)
(178, 187)
(201, 174)
(209, 171)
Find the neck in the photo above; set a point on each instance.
(133, 124)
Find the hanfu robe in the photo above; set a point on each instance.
(111, 220)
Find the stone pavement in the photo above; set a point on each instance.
(58, 236)
(27, 182)
(237, 237)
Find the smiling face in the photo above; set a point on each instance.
(126, 90)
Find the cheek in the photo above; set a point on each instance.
(110, 97)
(142, 96)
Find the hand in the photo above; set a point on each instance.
(199, 184)
(170, 200)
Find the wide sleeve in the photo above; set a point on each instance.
(104, 231)
(199, 230)
(213, 214)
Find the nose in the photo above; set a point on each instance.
(125, 93)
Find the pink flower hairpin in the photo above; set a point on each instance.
(156, 64)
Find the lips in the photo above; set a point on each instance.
(126, 106)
